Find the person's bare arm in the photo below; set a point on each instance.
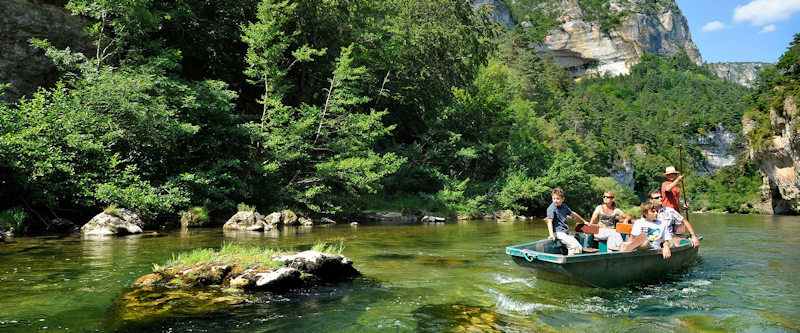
(595, 215)
(695, 240)
(575, 215)
(665, 251)
(550, 229)
(673, 184)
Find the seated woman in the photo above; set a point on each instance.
(607, 214)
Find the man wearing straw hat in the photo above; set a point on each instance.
(670, 191)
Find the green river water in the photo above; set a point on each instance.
(450, 276)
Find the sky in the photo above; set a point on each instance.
(742, 30)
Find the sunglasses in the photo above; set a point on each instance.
(658, 197)
(608, 197)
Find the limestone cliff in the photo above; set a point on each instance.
(610, 38)
(743, 73)
(22, 65)
(779, 159)
(500, 12)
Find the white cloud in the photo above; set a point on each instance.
(713, 25)
(768, 28)
(762, 12)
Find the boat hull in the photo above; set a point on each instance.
(603, 270)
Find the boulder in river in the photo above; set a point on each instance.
(305, 221)
(326, 220)
(2, 238)
(249, 271)
(428, 218)
(247, 221)
(119, 222)
(288, 217)
(505, 215)
(328, 267)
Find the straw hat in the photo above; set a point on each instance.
(670, 170)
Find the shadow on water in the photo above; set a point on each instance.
(319, 308)
(392, 256)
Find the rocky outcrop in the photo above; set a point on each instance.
(120, 222)
(623, 172)
(717, 147)
(499, 10)
(247, 221)
(779, 160)
(24, 66)
(742, 73)
(430, 219)
(327, 267)
(294, 270)
(586, 47)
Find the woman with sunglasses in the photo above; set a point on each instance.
(607, 214)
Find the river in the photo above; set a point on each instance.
(450, 276)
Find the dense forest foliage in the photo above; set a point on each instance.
(343, 106)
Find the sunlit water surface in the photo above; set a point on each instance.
(453, 276)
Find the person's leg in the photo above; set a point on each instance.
(573, 246)
(602, 234)
(614, 240)
(636, 243)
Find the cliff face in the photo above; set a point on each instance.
(500, 12)
(743, 73)
(779, 161)
(22, 65)
(586, 46)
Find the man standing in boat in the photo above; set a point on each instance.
(672, 216)
(670, 191)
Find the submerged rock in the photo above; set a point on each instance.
(249, 221)
(305, 221)
(326, 221)
(122, 223)
(148, 304)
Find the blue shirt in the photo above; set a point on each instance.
(559, 215)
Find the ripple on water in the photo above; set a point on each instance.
(505, 279)
(506, 304)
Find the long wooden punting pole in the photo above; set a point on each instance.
(683, 187)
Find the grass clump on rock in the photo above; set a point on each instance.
(112, 210)
(251, 268)
(242, 207)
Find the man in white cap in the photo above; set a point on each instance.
(670, 191)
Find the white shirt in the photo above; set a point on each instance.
(657, 232)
